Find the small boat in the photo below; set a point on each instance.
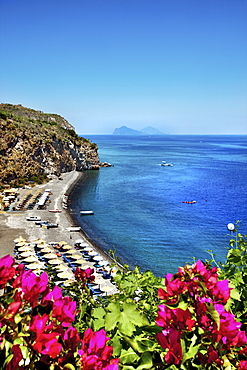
(55, 210)
(164, 163)
(84, 213)
(191, 202)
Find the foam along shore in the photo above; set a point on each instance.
(15, 224)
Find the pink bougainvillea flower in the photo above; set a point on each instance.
(33, 286)
(64, 310)
(95, 354)
(170, 339)
(48, 344)
(174, 318)
(242, 365)
(221, 291)
(84, 276)
(71, 339)
(14, 362)
(7, 271)
(52, 296)
(212, 356)
(46, 341)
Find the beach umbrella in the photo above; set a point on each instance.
(85, 267)
(26, 254)
(34, 266)
(81, 261)
(25, 249)
(54, 262)
(71, 251)
(97, 258)
(103, 263)
(106, 288)
(19, 239)
(68, 282)
(99, 280)
(93, 253)
(87, 249)
(30, 259)
(76, 256)
(62, 243)
(47, 249)
(39, 241)
(78, 241)
(65, 275)
(50, 255)
(20, 244)
(61, 268)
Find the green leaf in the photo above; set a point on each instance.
(214, 314)
(235, 294)
(146, 361)
(117, 347)
(128, 357)
(17, 318)
(98, 324)
(69, 367)
(125, 318)
(98, 312)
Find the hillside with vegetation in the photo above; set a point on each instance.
(35, 146)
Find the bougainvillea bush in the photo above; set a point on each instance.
(36, 330)
(194, 319)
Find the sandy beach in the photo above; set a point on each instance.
(14, 224)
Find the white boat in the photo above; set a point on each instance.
(73, 228)
(164, 163)
(86, 213)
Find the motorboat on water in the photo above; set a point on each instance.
(85, 213)
(164, 163)
(190, 202)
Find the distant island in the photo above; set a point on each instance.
(149, 130)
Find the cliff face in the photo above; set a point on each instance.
(34, 145)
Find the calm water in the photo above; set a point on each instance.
(138, 209)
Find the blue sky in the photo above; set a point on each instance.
(180, 66)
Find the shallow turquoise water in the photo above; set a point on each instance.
(138, 209)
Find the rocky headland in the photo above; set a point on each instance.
(35, 146)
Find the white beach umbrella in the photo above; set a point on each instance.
(42, 245)
(30, 259)
(71, 251)
(103, 263)
(34, 266)
(99, 280)
(26, 254)
(97, 258)
(81, 261)
(65, 275)
(21, 244)
(55, 262)
(87, 249)
(76, 256)
(107, 289)
(19, 239)
(25, 249)
(50, 255)
(93, 253)
(78, 241)
(85, 267)
(39, 241)
(61, 268)
(47, 250)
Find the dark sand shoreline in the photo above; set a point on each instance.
(14, 224)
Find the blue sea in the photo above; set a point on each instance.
(138, 204)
